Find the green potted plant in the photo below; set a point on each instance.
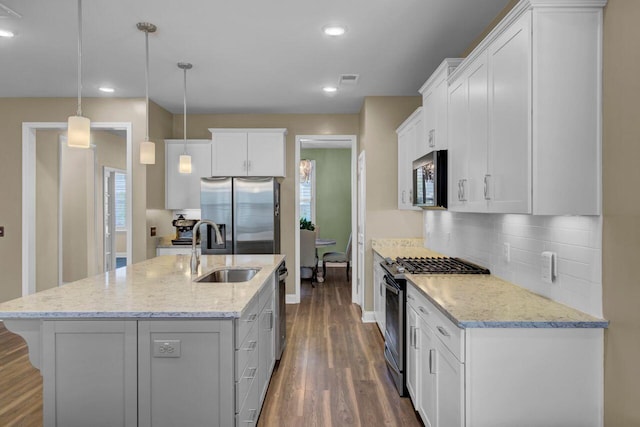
(306, 224)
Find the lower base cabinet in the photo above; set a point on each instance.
(487, 377)
(161, 372)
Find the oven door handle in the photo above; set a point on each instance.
(391, 288)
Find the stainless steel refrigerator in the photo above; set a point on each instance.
(247, 210)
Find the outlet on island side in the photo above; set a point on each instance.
(1, 230)
(548, 266)
(152, 231)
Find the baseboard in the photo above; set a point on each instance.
(368, 317)
(292, 299)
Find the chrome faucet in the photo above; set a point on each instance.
(195, 258)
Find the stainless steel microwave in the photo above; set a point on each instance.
(430, 180)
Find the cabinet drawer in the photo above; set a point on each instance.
(246, 380)
(246, 321)
(250, 410)
(446, 331)
(246, 351)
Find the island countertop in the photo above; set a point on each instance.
(160, 287)
(485, 301)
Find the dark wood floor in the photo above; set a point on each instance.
(332, 372)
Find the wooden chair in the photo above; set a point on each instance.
(308, 257)
(336, 257)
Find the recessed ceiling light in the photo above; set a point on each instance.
(330, 89)
(334, 30)
(106, 89)
(6, 33)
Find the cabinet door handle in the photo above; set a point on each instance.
(248, 165)
(270, 320)
(423, 310)
(431, 357)
(415, 337)
(251, 346)
(460, 190)
(403, 196)
(381, 287)
(486, 187)
(411, 328)
(244, 165)
(432, 138)
(251, 318)
(443, 331)
(251, 374)
(252, 417)
(410, 196)
(410, 297)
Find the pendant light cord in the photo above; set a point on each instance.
(146, 75)
(79, 112)
(184, 123)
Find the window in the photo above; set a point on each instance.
(121, 200)
(308, 190)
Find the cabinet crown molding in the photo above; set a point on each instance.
(446, 67)
(515, 13)
(409, 120)
(244, 130)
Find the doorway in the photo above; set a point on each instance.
(32, 235)
(327, 142)
(115, 227)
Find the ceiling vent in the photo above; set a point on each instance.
(6, 12)
(349, 79)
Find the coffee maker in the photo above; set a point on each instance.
(184, 230)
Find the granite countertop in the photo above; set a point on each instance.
(486, 301)
(160, 287)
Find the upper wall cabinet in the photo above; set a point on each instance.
(435, 108)
(409, 133)
(248, 152)
(182, 191)
(541, 95)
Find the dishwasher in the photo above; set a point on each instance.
(281, 335)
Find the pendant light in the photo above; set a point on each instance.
(147, 148)
(185, 158)
(79, 127)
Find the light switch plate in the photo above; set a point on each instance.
(506, 252)
(548, 266)
(1, 230)
(153, 231)
(166, 348)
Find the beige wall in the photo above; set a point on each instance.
(621, 207)
(83, 253)
(296, 124)
(15, 111)
(380, 117)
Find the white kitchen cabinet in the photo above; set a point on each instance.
(189, 382)
(543, 114)
(435, 105)
(182, 191)
(468, 138)
(248, 152)
(505, 376)
(412, 354)
(379, 294)
(409, 133)
(89, 371)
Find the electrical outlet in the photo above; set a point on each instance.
(1, 230)
(506, 252)
(166, 348)
(548, 267)
(153, 231)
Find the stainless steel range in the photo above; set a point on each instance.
(395, 305)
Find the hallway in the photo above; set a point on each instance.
(333, 371)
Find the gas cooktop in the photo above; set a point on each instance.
(432, 265)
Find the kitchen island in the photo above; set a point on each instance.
(147, 345)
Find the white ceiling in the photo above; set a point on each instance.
(249, 56)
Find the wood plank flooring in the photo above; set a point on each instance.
(20, 383)
(332, 372)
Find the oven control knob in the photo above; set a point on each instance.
(400, 269)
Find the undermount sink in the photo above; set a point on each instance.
(229, 274)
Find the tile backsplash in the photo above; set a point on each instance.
(480, 238)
